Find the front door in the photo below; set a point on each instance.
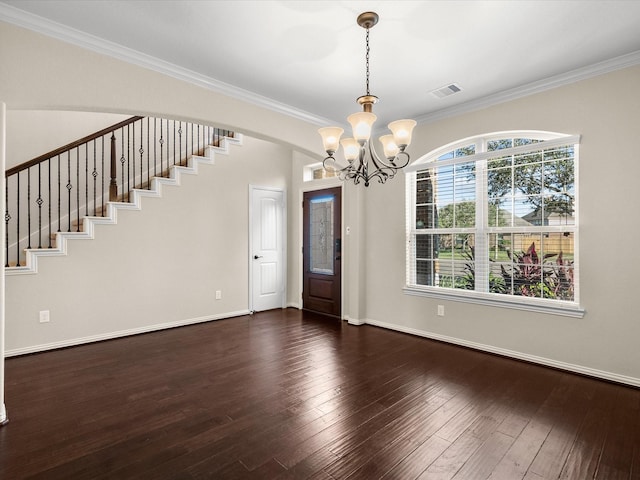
(322, 251)
(267, 249)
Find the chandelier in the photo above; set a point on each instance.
(363, 162)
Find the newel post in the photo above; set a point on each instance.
(113, 185)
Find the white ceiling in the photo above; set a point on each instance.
(308, 56)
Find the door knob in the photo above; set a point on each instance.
(255, 257)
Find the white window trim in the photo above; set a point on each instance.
(538, 305)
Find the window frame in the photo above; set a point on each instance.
(481, 230)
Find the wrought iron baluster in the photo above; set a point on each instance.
(28, 207)
(69, 187)
(155, 142)
(113, 170)
(148, 150)
(39, 202)
(94, 174)
(122, 160)
(174, 142)
(161, 149)
(141, 151)
(102, 190)
(49, 198)
(59, 196)
(180, 141)
(129, 157)
(86, 179)
(18, 221)
(77, 189)
(186, 140)
(168, 148)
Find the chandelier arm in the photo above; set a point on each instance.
(404, 155)
(392, 164)
(337, 170)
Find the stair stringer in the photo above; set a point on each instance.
(112, 208)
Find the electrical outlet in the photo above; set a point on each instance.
(441, 310)
(44, 316)
(218, 294)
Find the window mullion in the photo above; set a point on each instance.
(481, 260)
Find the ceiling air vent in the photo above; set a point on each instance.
(447, 90)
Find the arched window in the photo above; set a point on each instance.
(493, 219)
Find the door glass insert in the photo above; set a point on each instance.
(321, 234)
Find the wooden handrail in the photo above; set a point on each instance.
(79, 178)
(60, 150)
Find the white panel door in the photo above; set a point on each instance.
(267, 249)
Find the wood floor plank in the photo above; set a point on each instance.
(286, 395)
(412, 465)
(583, 459)
(616, 460)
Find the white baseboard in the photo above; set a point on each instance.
(354, 321)
(570, 367)
(121, 333)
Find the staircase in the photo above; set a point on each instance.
(63, 194)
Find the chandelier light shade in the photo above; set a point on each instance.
(363, 162)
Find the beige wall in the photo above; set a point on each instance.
(604, 110)
(35, 132)
(158, 266)
(82, 80)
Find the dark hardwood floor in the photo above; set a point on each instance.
(292, 395)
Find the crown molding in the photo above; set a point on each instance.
(67, 34)
(81, 39)
(607, 66)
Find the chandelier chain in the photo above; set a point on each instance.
(367, 62)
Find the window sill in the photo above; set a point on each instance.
(493, 300)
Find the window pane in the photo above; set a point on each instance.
(499, 212)
(558, 153)
(424, 188)
(464, 214)
(500, 162)
(524, 141)
(559, 176)
(532, 265)
(321, 231)
(454, 191)
(425, 216)
(455, 266)
(528, 179)
(526, 158)
(493, 145)
(426, 259)
(459, 152)
(558, 210)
